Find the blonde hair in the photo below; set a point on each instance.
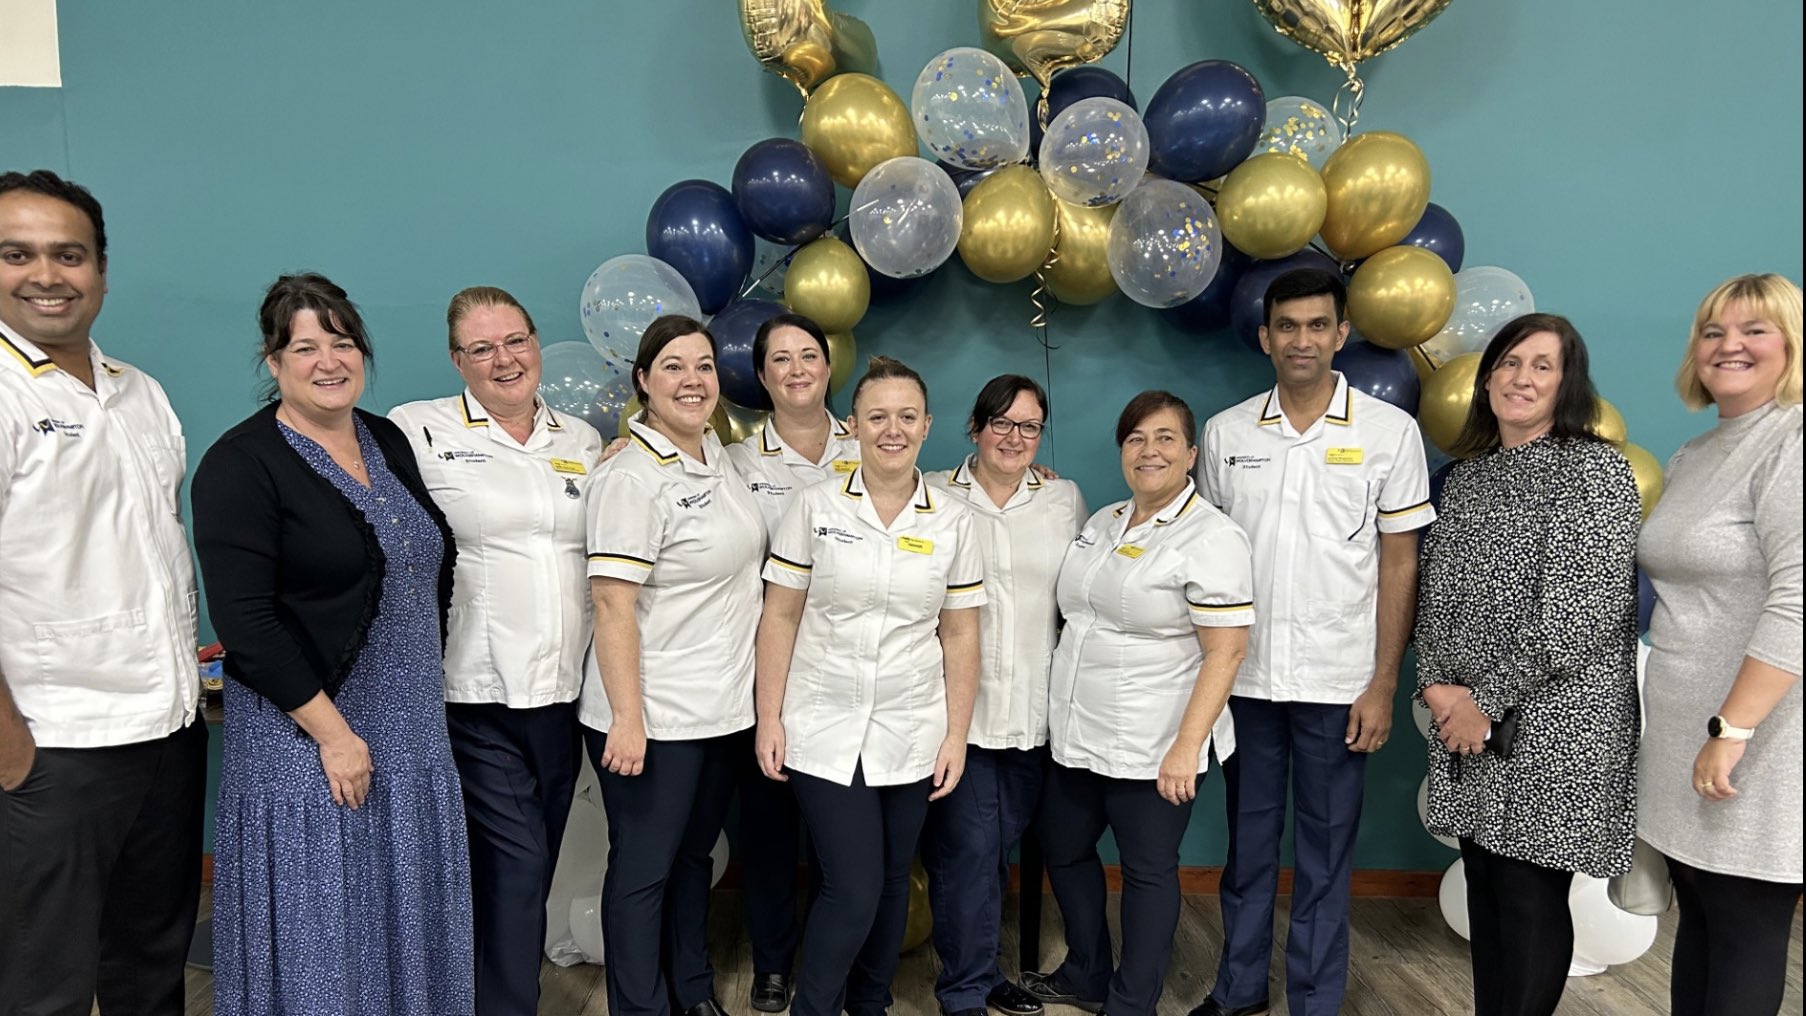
(474, 297)
(1773, 298)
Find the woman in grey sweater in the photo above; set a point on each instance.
(1721, 767)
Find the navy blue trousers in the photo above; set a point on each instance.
(966, 850)
(519, 769)
(1076, 806)
(770, 832)
(662, 825)
(864, 839)
(1307, 739)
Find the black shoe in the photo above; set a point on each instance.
(1212, 1007)
(1053, 991)
(963, 1012)
(770, 992)
(1011, 1000)
(709, 1007)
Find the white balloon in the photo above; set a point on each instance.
(577, 380)
(1603, 934)
(969, 110)
(582, 861)
(1420, 714)
(624, 295)
(1485, 298)
(1452, 895)
(1164, 244)
(1423, 814)
(718, 859)
(771, 263)
(1095, 152)
(586, 927)
(905, 217)
(1301, 126)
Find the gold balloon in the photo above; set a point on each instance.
(853, 122)
(1081, 272)
(1379, 185)
(1349, 31)
(827, 283)
(791, 38)
(1042, 37)
(843, 356)
(855, 50)
(1609, 424)
(1271, 205)
(741, 422)
(1008, 226)
(1648, 472)
(1447, 394)
(921, 920)
(719, 419)
(1401, 297)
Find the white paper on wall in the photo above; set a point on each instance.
(28, 45)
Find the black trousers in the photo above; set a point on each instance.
(1076, 806)
(519, 769)
(100, 876)
(864, 839)
(1522, 933)
(662, 824)
(1730, 948)
(770, 833)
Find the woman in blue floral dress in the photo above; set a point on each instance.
(341, 871)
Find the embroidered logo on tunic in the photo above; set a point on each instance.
(1247, 461)
(838, 535)
(773, 489)
(700, 499)
(49, 425)
(462, 455)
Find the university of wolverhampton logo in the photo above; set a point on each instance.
(700, 499)
(43, 426)
(838, 535)
(51, 425)
(1246, 461)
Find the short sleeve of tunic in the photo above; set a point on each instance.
(627, 525)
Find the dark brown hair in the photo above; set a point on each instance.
(762, 337)
(996, 397)
(292, 294)
(1147, 404)
(659, 334)
(1576, 401)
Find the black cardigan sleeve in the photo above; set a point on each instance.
(237, 536)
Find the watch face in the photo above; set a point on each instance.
(1715, 727)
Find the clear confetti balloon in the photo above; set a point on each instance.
(771, 262)
(905, 217)
(1301, 127)
(1485, 298)
(625, 294)
(1164, 244)
(1095, 152)
(577, 380)
(970, 111)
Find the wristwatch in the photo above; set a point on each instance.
(1721, 728)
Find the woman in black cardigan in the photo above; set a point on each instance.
(341, 870)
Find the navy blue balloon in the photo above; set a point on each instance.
(965, 179)
(1209, 310)
(1439, 232)
(1071, 85)
(1385, 374)
(1204, 121)
(695, 228)
(784, 192)
(1246, 311)
(1440, 479)
(734, 329)
(1646, 601)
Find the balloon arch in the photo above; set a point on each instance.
(1191, 206)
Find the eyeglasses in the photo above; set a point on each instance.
(1031, 429)
(514, 344)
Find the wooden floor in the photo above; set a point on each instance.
(1404, 962)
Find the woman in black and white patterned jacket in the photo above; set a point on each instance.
(1527, 621)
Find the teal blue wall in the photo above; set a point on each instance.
(1621, 157)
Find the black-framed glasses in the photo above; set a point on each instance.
(514, 344)
(1030, 429)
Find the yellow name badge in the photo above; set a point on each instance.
(845, 465)
(1131, 551)
(915, 545)
(570, 466)
(1342, 457)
